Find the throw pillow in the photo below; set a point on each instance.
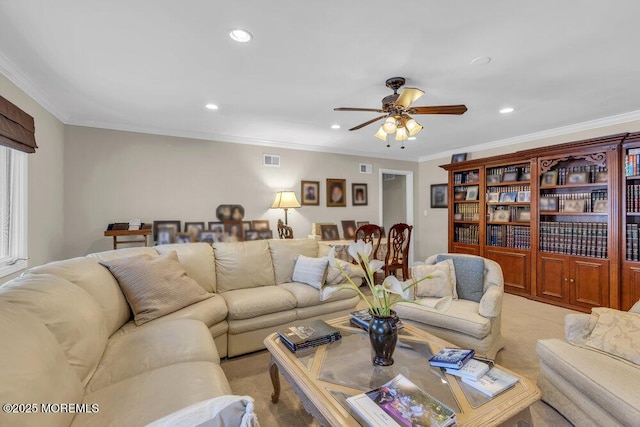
(442, 282)
(155, 286)
(469, 275)
(335, 276)
(310, 271)
(616, 332)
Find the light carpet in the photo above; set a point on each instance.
(523, 323)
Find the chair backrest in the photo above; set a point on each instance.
(370, 233)
(397, 256)
(284, 231)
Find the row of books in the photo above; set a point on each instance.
(509, 236)
(509, 188)
(312, 334)
(465, 177)
(632, 243)
(502, 169)
(467, 234)
(632, 162)
(467, 211)
(574, 238)
(594, 173)
(633, 197)
(361, 319)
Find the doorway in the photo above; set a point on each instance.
(396, 200)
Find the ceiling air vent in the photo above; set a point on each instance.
(271, 160)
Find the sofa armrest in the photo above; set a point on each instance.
(491, 302)
(223, 410)
(576, 327)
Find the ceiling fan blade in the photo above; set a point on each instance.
(375, 110)
(369, 122)
(408, 96)
(440, 109)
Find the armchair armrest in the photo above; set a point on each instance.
(576, 327)
(491, 302)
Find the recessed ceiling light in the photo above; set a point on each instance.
(240, 35)
(412, 138)
(506, 110)
(212, 106)
(335, 126)
(482, 60)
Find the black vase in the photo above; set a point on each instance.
(383, 336)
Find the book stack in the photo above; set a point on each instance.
(632, 242)
(453, 358)
(632, 162)
(574, 238)
(134, 224)
(308, 335)
(400, 402)
(492, 383)
(361, 319)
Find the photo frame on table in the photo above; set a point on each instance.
(265, 234)
(493, 197)
(472, 193)
(310, 193)
(329, 232)
(548, 204)
(508, 197)
(207, 236)
(234, 231)
(260, 224)
(439, 195)
(348, 229)
(501, 215)
(602, 176)
(164, 236)
(492, 179)
(510, 176)
(218, 230)
(336, 193)
(359, 195)
(251, 235)
(456, 158)
(473, 176)
(601, 206)
(173, 225)
(459, 195)
(577, 178)
(193, 228)
(572, 205)
(549, 179)
(523, 215)
(359, 223)
(246, 226)
(524, 197)
(183, 238)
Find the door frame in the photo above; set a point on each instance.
(408, 199)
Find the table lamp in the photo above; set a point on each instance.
(285, 200)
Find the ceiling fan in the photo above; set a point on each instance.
(397, 110)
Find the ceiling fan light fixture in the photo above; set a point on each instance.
(401, 134)
(381, 134)
(413, 127)
(389, 125)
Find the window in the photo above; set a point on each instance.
(13, 211)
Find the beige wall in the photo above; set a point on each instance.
(115, 176)
(45, 202)
(433, 226)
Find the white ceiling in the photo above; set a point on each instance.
(152, 65)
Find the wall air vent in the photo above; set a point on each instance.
(271, 160)
(366, 168)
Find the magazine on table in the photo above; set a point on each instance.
(400, 402)
(493, 382)
(310, 334)
(449, 357)
(472, 370)
(361, 319)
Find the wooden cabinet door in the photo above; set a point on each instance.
(516, 269)
(589, 282)
(465, 249)
(630, 285)
(553, 277)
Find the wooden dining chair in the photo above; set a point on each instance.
(370, 233)
(397, 257)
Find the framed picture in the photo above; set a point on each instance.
(173, 225)
(439, 195)
(577, 177)
(501, 215)
(265, 234)
(493, 197)
(246, 226)
(336, 193)
(492, 179)
(508, 197)
(473, 177)
(524, 197)
(252, 235)
(525, 176)
(459, 195)
(510, 176)
(574, 205)
(359, 223)
(193, 228)
(523, 215)
(602, 176)
(260, 224)
(348, 230)
(457, 217)
(310, 191)
(230, 212)
(472, 193)
(207, 236)
(183, 238)
(548, 204)
(601, 206)
(458, 157)
(549, 179)
(234, 231)
(359, 195)
(329, 232)
(217, 228)
(165, 236)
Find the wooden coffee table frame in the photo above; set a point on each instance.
(319, 402)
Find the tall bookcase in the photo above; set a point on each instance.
(551, 217)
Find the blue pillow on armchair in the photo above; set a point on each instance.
(469, 275)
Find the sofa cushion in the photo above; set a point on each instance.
(616, 332)
(437, 280)
(197, 259)
(155, 286)
(311, 271)
(87, 273)
(307, 296)
(242, 265)
(469, 275)
(123, 253)
(209, 311)
(68, 311)
(335, 275)
(33, 369)
(152, 346)
(248, 303)
(284, 253)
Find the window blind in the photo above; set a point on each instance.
(17, 129)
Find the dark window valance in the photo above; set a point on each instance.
(16, 128)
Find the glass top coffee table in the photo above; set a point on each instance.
(324, 376)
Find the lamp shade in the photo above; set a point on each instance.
(389, 125)
(413, 127)
(401, 134)
(285, 200)
(381, 134)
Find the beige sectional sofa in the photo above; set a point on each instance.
(585, 378)
(68, 337)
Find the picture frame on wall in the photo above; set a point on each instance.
(439, 196)
(310, 193)
(336, 193)
(173, 225)
(359, 196)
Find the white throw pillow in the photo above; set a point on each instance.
(616, 332)
(442, 282)
(311, 271)
(335, 276)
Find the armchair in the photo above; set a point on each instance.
(473, 318)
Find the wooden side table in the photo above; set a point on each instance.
(117, 233)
